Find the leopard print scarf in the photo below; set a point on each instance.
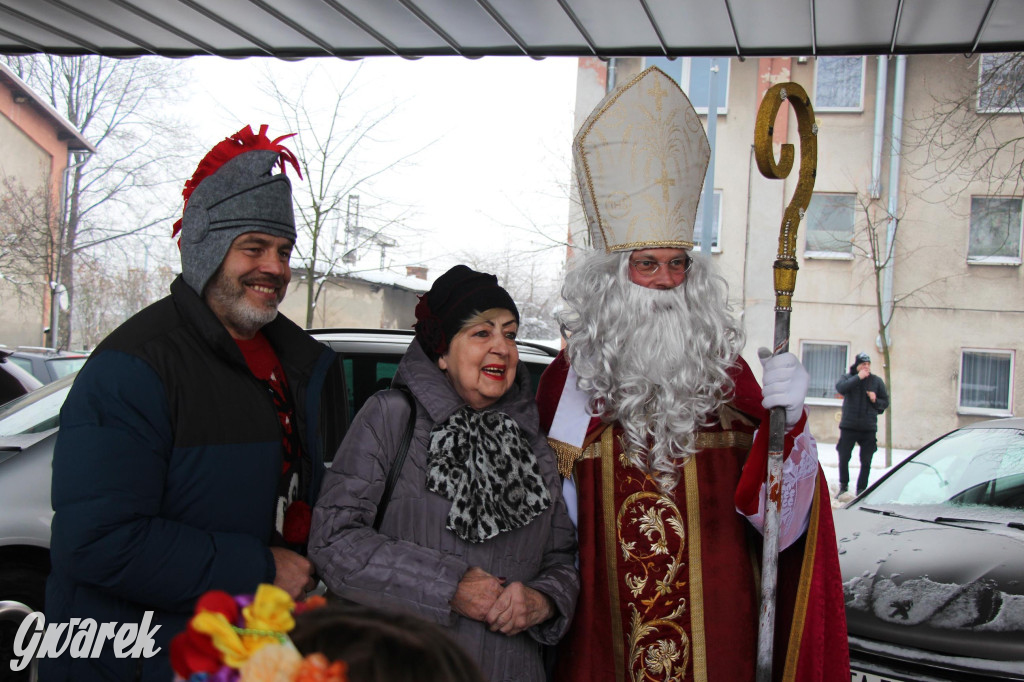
(482, 463)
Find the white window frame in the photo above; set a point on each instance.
(994, 260)
(716, 245)
(986, 411)
(684, 79)
(827, 109)
(981, 76)
(830, 402)
(832, 255)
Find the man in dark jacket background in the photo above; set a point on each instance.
(864, 398)
(189, 450)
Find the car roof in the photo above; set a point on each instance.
(38, 352)
(26, 378)
(368, 340)
(1002, 423)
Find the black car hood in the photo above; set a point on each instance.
(951, 589)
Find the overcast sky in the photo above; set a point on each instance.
(497, 133)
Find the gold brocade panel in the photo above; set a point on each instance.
(650, 540)
(657, 580)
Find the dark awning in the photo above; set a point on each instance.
(536, 28)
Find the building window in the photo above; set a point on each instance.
(986, 378)
(1001, 83)
(829, 221)
(825, 362)
(995, 230)
(716, 222)
(694, 76)
(839, 84)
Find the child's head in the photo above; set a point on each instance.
(379, 647)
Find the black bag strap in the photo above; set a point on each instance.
(396, 466)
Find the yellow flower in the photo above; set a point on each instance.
(271, 609)
(223, 635)
(272, 663)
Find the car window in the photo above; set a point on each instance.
(365, 374)
(61, 367)
(36, 412)
(971, 467)
(24, 363)
(536, 369)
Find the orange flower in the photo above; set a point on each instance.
(316, 668)
(315, 602)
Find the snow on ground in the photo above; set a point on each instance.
(829, 459)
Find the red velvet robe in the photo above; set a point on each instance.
(671, 585)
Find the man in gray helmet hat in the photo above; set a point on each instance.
(190, 447)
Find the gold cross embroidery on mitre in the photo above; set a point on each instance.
(665, 181)
(658, 93)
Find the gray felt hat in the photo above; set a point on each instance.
(241, 196)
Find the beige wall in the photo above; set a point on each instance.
(22, 315)
(346, 302)
(946, 305)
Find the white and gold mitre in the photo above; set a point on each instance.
(641, 157)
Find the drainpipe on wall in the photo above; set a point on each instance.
(55, 285)
(894, 189)
(708, 198)
(881, 88)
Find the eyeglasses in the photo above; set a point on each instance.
(649, 266)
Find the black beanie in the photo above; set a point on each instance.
(455, 296)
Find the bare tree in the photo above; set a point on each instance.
(976, 131)
(532, 284)
(26, 238)
(111, 292)
(119, 105)
(875, 240)
(336, 194)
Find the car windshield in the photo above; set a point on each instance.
(971, 471)
(35, 412)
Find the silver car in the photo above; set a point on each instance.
(28, 430)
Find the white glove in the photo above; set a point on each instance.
(785, 384)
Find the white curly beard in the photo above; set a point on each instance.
(656, 361)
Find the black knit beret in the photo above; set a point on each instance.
(454, 298)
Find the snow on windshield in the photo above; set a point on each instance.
(977, 606)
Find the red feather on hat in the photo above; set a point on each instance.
(241, 142)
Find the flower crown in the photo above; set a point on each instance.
(244, 639)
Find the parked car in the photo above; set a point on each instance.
(28, 430)
(14, 380)
(47, 364)
(932, 559)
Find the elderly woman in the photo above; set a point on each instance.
(476, 536)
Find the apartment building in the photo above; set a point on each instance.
(953, 293)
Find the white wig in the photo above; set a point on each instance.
(656, 361)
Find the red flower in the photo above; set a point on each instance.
(193, 652)
(309, 603)
(297, 519)
(428, 327)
